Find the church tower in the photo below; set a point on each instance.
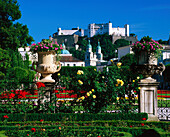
(90, 58)
(99, 54)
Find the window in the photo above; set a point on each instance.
(74, 64)
(68, 65)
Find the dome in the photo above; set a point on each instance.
(64, 51)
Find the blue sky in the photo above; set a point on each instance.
(145, 17)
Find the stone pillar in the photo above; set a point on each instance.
(46, 95)
(148, 98)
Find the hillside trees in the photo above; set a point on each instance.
(108, 49)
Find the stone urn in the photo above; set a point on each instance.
(47, 65)
(145, 57)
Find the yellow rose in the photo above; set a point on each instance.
(92, 90)
(88, 94)
(94, 96)
(138, 87)
(121, 83)
(102, 76)
(80, 82)
(79, 72)
(82, 97)
(119, 64)
(116, 85)
(138, 77)
(58, 74)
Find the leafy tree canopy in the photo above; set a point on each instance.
(12, 35)
(121, 43)
(128, 60)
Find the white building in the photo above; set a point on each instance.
(122, 51)
(93, 59)
(106, 28)
(95, 29)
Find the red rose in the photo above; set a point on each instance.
(130, 126)
(19, 102)
(143, 118)
(6, 116)
(40, 84)
(11, 95)
(41, 120)
(142, 124)
(27, 134)
(33, 129)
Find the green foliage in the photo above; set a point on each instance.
(128, 60)
(132, 34)
(13, 35)
(163, 42)
(97, 90)
(80, 54)
(121, 43)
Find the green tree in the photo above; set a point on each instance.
(162, 42)
(128, 60)
(121, 43)
(12, 35)
(80, 54)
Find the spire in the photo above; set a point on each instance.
(89, 47)
(98, 49)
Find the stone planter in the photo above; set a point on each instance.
(144, 57)
(47, 65)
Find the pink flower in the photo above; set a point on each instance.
(42, 47)
(35, 48)
(51, 46)
(61, 48)
(56, 48)
(33, 44)
(39, 42)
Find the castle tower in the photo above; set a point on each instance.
(126, 26)
(90, 59)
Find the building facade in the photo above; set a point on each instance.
(93, 59)
(95, 29)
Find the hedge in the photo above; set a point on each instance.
(69, 132)
(116, 123)
(74, 116)
(135, 131)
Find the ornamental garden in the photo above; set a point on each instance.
(73, 101)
